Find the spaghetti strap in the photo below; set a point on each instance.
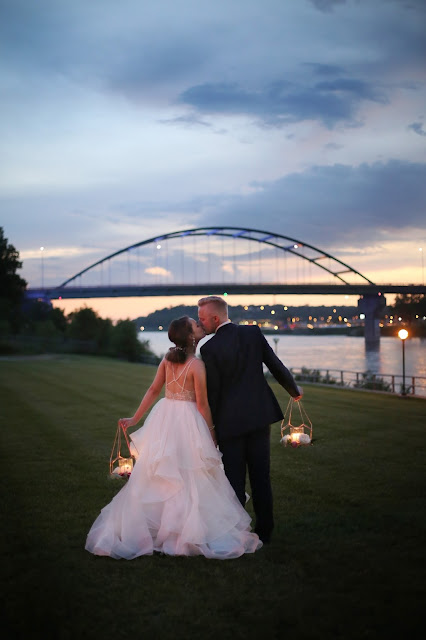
(184, 371)
(180, 393)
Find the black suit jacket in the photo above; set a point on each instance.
(239, 396)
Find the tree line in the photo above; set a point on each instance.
(35, 325)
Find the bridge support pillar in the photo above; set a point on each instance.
(371, 305)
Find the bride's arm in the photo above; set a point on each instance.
(200, 387)
(149, 398)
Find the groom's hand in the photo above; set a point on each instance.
(299, 397)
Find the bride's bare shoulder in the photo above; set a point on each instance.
(198, 365)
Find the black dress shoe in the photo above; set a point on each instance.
(264, 539)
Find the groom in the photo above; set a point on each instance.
(242, 403)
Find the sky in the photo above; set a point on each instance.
(123, 121)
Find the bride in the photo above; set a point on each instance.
(177, 500)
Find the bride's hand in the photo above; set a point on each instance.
(125, 423)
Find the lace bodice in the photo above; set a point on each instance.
(182, 393)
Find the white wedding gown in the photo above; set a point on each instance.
(177, 500)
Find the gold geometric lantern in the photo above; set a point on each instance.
(121, 466)
(296, 427)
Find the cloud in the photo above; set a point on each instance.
(417, 127)
(190, 120)
(157, 271)
(329, 205)
(326, 5)
(283, 102)
(111, 115)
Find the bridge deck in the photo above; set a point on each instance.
(131, 291)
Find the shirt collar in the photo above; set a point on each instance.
(222, 325)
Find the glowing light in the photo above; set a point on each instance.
(362, 316)
(276, 328)
(142, 328)
(160, 327)
(296, 246)
(272, 312)
(158, 246)
(403, 334)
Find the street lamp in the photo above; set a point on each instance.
(403, 335)
(42, 267)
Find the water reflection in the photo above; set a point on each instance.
(372, 357)
(334, 352)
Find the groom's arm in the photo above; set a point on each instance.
(213, 380)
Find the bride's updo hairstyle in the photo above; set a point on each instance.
(180, 331)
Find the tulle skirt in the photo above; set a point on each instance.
(177, 500)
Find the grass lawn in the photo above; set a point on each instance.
(347, 558)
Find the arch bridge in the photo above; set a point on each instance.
(215, 260)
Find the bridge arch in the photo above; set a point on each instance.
(336, 267)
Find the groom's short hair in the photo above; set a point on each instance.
(218, 302)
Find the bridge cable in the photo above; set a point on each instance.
(194, 260)
(223, 270)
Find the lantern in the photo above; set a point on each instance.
(120, 466)
(124, 467)
(296, 427)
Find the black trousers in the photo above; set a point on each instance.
(251, 452)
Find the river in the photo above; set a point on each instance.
(332, 352)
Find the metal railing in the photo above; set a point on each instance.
(387, 382)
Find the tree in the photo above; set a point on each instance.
(84, 324)
(12, 286)
(410, 306)
(39, 312)
(125, 341)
